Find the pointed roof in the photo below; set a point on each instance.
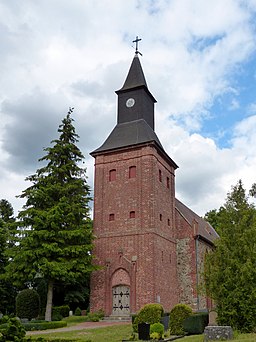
(205, 230)
(129, 134)
(137, 132)
(135, 78)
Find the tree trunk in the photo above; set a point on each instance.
(48, 311)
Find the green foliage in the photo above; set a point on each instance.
(177, 316)
(230, 271)
(8, 230)
(11, 330)
(31, 326)
(149, 313)
(93, 317)
(156, 328)
(78, 312)
(61, 310)
(195, 324)
(100, 313)
(56, 227)
(155, 336)
(27, 304)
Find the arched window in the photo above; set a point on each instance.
(112, 175)
(132, 214)
(132, 171)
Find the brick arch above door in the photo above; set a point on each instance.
(120, 277)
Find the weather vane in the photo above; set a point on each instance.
(136, 46)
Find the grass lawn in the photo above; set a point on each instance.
(111, 334)
(238, 338)
(117, 334)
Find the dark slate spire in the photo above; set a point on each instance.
(135, 77)
(135, 115)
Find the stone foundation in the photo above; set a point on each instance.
(218, 333)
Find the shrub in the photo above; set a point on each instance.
(31, 326)
(156, 328)
(195, 324)
(56, 317)
(60, 311)
(11, 330)
(100, 313)
(177, 316)
(27, 304)
(154, 336)
(93, 317)
(78, 312)
(149, 313)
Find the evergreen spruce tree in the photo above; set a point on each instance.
(230, 272)
(57, 234)
(8, 237)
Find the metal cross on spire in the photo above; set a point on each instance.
(136, 47)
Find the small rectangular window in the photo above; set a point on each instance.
(132, 171)
(168, 182)
(111, 217)
(160, 176)
(160, 217)
(168, 221)
(132, 214)
(112, 175)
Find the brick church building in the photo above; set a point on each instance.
(150, 246)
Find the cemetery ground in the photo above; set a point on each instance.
(98, 332)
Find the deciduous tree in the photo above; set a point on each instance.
(230, 272)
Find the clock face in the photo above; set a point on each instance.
(130, 102)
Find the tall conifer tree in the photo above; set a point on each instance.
(57, 234)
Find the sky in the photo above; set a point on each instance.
(199, 60)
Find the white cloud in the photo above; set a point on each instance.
(56, 54)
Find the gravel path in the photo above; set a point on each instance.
(80, 326)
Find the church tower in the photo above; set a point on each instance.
(134, 209)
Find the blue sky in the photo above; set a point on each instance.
(233, 106)
(199, 63)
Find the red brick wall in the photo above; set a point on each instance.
(143, 246)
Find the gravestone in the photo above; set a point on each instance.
(143, 330)
(212, 318)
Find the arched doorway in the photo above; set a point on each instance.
(120, 286)
(121, 300)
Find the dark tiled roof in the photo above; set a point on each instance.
(205, 230)
(129, 134)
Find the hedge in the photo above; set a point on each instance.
(61, 310)
(44, 325)
(195, 324)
